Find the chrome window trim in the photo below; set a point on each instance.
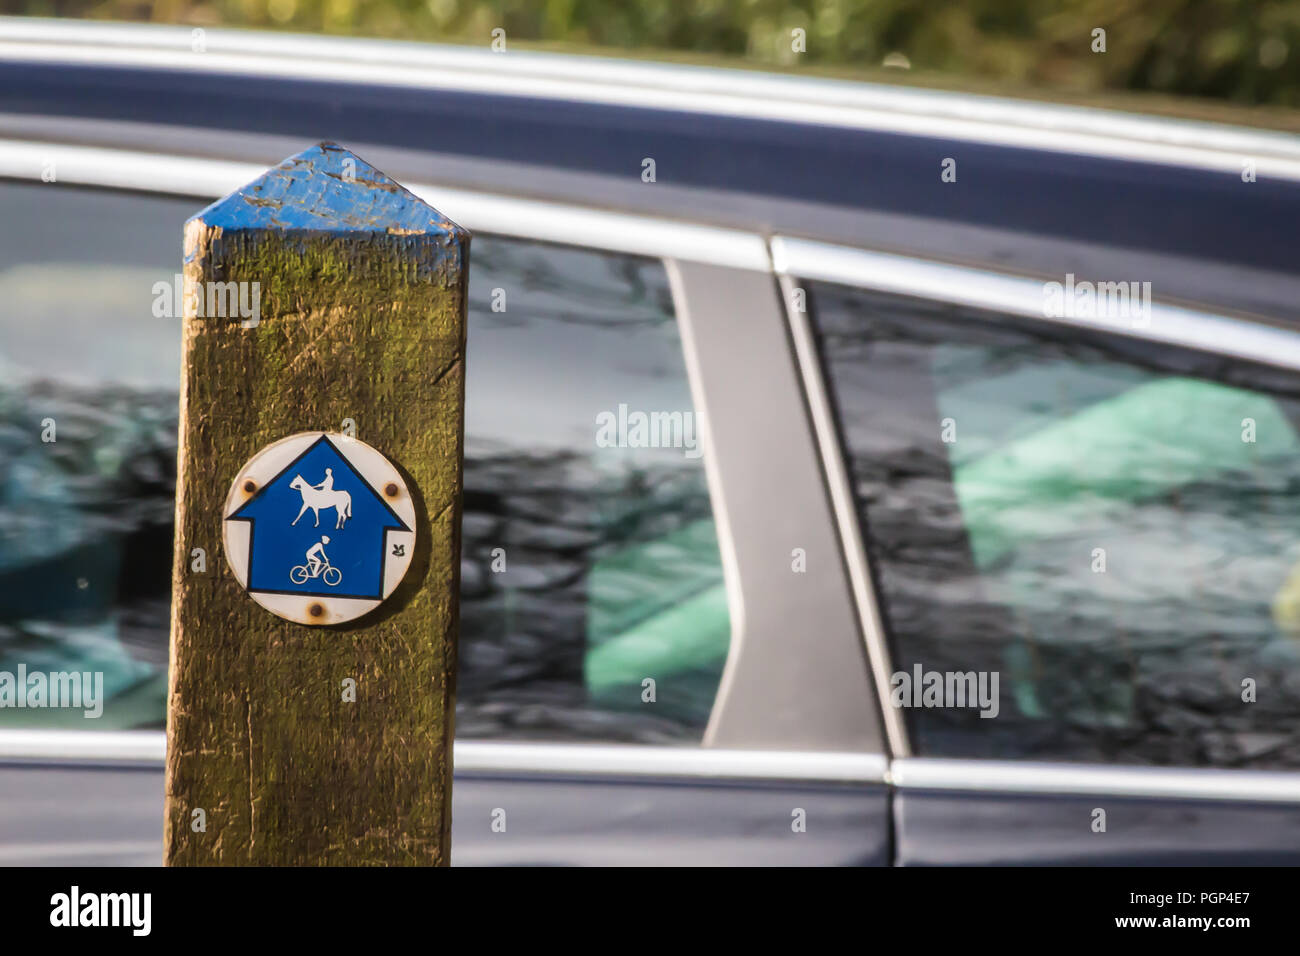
(1026, 777)
(698, 89)
(485, 212)
(147, 748)
(853, 548)
(804, 259)
(97, 747)
(629, 760)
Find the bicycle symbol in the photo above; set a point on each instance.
(301, 573)
(317, 566)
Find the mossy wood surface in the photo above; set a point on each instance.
(362, 317)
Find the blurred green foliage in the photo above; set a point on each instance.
(1244, 51)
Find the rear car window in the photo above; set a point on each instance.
(1110, 526)
(592, 597)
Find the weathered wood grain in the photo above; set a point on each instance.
(362, 317)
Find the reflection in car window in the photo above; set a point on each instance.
(1111, 526)
(591, 564)
(592, 597)
(88, 399)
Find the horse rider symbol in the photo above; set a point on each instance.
(322, 497)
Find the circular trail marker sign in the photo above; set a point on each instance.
(319, 528)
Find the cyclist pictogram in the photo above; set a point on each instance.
(317, 566)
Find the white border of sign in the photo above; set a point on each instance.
(378, 472)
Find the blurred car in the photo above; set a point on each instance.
(956, 385)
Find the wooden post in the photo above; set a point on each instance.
(351, 314)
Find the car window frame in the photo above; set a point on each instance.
(799, 260)
(744, 257)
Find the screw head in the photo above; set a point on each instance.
(315, 610)
(250, 486)
(390, 489)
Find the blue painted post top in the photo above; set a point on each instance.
(329, 190)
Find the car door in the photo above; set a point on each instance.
(1077, 534)
(660, 659)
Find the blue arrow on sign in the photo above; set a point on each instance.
(318, 528)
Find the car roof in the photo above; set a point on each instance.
(806, 100)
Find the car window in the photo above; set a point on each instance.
(1110, 526)
(88, 407)
(592, 598)
(591, 560)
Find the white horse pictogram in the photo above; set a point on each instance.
(317, 499)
